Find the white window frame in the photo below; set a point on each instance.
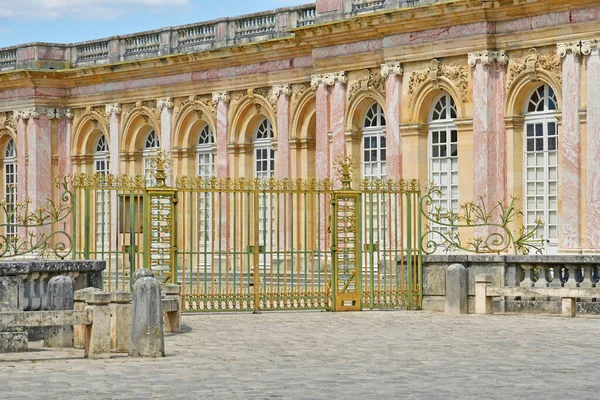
(264, 156)
(442, 125)
(151, 145)
(102, 167)
(541, 203)
(10, 186)
(205, 168)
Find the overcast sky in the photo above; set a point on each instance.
(68, 21)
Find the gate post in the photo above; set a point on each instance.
(345, 243)
(160, 222)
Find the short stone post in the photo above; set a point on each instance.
(61, 291)
(569, 307)
(141, 273)
(11, 299)
(456, 289)
(97, 335)
(173, 318)
(120, 321)
(483, 303)
(79, 305)
(147, 337)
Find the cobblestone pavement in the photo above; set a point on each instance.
(315, 355)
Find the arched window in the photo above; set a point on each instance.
(264, 154)
(541, 164)
(10, 186)
(151, 145)
(205, 162)
(101, 166)
(443, 153)
(374, 167)
(204, 153)
(264, 168)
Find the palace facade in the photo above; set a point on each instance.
(482, 97)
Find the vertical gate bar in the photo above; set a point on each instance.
(271, 230)
(265, 238)
(305, 247)
(174, 240)
(74, 230)
(210, 216)
(256, 282)
(281, 226)
(379, 232)
(318, 243)
(88, 228)
(285, 247)
(138, 234)
(109, 238)
(234, 232)
(132, 217)
(409, 249)
(420, 250)
(371, 260)
(334, 249)
(222, 195)
(291, 290)
(403, 253)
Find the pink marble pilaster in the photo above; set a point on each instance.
(592, 198)
(283, 169)
(21, 156)
(222, 164)
(114, 113)
(39, 171)
(322, 139)
(165, 105)
(570, 166)
(392, 73)
(65, 124)
(501, 190)
(338, 111)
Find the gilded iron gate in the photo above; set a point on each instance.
(252, 245)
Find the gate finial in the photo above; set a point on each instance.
(345, 166)
(162, 162)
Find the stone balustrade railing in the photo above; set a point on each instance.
(186, 39)
(559, 271)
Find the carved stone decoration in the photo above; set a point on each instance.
(394, 68)
(531, 63)
(207, 101)
(298, 90)
(7, 121)
(562, 49)
(587, 46)
(114, 108)
(329, 79)
(457, 74)
(264, 92)
(487, 58)
(165, 102)
(369, 83)
(221, 96)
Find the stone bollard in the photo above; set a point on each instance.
(79, 305)
(173, 317)
(142, 273)
(97, 335)
(120, 322)
(483, 303)
(456, 290)
(147, 337)
(11, 299)
(569, 307)
(61, 291)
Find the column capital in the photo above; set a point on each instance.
(279, 90)
(588, 46)
(57, 113)
(165, 102)
(114, 108)
(221, 96)
(562, 49)
(390, 69)
(329, 79)
(23, 114)
(488, 57)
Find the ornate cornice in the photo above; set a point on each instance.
(165, 102)
(487, 58)
(562, 49)
(221, 96)
(329, 79)
(51, 113)
(587, 46)
(389, 69)
(114, 108)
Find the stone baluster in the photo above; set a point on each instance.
(572, 270)
(542, 275)
(528, 277)
(557, 280)
(587, 276)
(392, 72)
(591, 49)
(570, 223)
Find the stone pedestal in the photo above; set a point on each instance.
(456, 290)
(120, 323)
(60, 297)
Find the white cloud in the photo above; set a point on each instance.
(81, 9)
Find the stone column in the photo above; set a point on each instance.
(489, 132)
(21, 117)
(392, 72)
(114, 114)
(281, 94)
(570, 164)
(65, 126)
(221, 99)
(330, 114)
(166, 128)
(39, 171)
(590, 48)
